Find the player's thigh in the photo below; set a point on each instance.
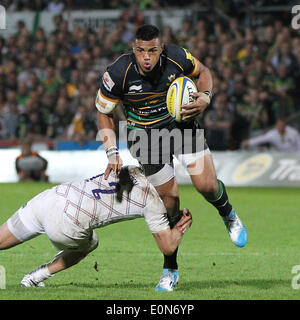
(82, 246)
(7, 239)
(67, 236)
(23, 224)
(203, 174)
(163, 178)
(169, 188)
(159, 174)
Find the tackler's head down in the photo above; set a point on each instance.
(127, 177)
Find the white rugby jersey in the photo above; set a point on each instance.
(92, 203)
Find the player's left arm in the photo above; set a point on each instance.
(203, 96)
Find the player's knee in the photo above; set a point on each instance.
(94, 242)
(208, 186)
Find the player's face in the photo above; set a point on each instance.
(147, 54)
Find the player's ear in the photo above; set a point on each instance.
(133, 46)
(162, 46)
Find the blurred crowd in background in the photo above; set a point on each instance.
(48, 82)
(59, 5)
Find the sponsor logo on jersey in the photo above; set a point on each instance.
(252, 168)
(135, 88)
(107, 81)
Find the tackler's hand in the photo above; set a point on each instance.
(185, 221)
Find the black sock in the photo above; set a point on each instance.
(221, 202)
(170, 262)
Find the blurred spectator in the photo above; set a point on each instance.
(218, 122)
(283, 138)
(83, 126)
(283, 89)
(22, 93)
(73, 85)
(251, 113)
(30, 166)
(284, 56)
(51, 83)
(10, 122)
(59, 120)
(55, 6)
(35, 125)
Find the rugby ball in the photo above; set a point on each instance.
(179, 93)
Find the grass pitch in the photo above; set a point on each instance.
(127, 264)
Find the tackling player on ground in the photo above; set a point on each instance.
(69, 213)
(140, 80)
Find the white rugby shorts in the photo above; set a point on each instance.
(44, 215)
(166, 173)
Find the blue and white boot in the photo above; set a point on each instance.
(168, 280)
(236, 230)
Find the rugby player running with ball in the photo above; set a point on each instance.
(140, 80)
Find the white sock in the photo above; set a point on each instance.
(41, 273)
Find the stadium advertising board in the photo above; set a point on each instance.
(253, 169)
(234, 168)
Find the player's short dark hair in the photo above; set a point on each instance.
(147, 32)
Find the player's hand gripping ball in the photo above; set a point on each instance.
(179, 93)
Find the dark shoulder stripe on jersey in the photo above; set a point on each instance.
(121, 56)
(173, 62)
(119, 68)
(125, 75)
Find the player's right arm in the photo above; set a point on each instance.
(108, 96)
(193, 68)
(108, 138)
(169, 239)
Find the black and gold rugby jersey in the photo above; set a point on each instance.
(144, 98)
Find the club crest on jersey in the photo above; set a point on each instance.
(171, 78)
(107, 81)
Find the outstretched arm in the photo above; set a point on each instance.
(169, 239)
